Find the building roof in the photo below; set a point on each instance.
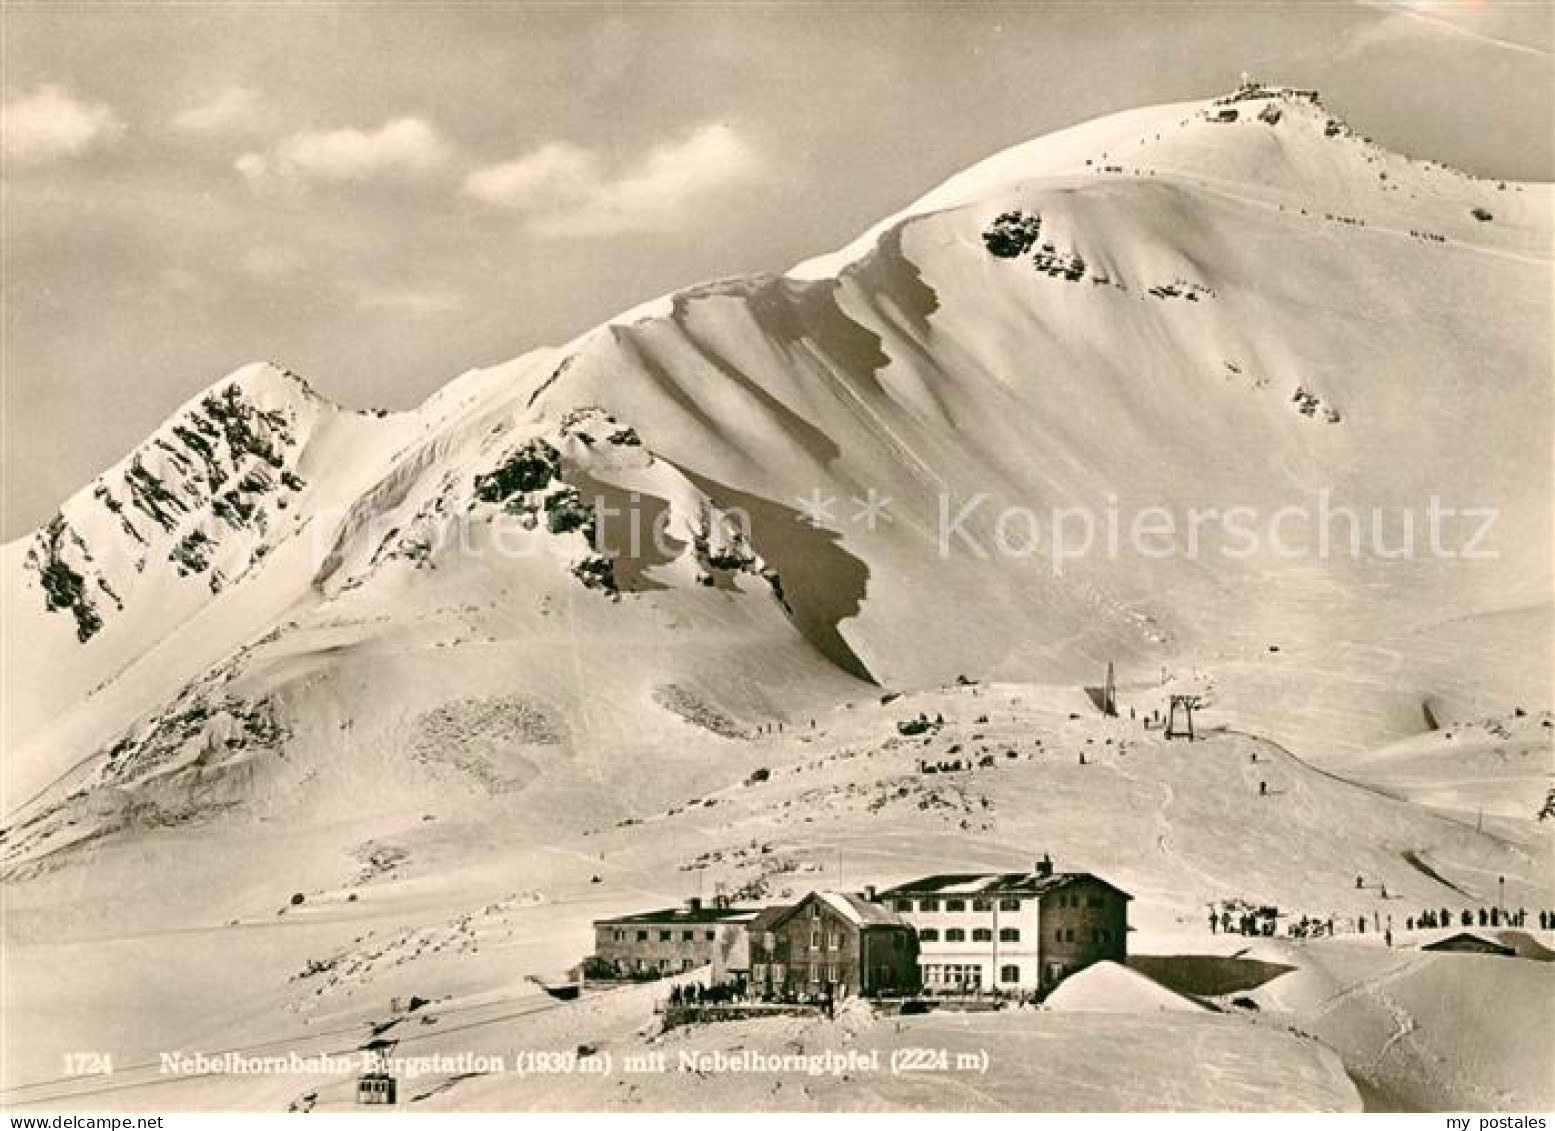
(685, 915)
(853, 907)
(1463, 940)
(860, 911)
(767, 918)
(996, 883)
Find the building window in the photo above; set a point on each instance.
(1069, 935)
(902, 905)
(712, 935)
(1009, 904)
(955, 905)
(815, 938)
(642, 936)
(685, 964)
(928, 905)
(688, 936)
(815, 910)
(664, 964)
(982, 905)
(664, 936)
(956, 974)
(955, 934)
(929, 934)
(1009, 934)
(620, 935)
(1009, 973)
(1058, 935)
(982, 934)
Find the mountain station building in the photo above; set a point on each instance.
(1011, 931)
(833, 945)
(678, 939)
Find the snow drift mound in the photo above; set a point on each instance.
(1108, 987)
(1432, 1032)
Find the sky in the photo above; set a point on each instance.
(381, 196)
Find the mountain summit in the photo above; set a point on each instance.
(278, 605)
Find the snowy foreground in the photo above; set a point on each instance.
(465, 908)
(308, 710)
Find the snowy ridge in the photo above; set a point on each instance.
(1204, 286)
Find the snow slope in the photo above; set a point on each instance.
(1428, 1032)
(1227, 269)
(429, 661)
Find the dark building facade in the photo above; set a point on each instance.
(832, 944)
(1081, 920)
(677, 939)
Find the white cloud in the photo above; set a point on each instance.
(552, 177)
(564, 189)
(403, 147)
(412, 301)
(51, 124)
(252, 166)
(235, 109)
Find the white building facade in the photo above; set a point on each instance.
(982, 932)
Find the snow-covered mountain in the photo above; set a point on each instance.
(370, 706)
(1202, 305)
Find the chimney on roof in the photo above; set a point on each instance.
(869, 892)
(1045, 865)
(694, 903)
